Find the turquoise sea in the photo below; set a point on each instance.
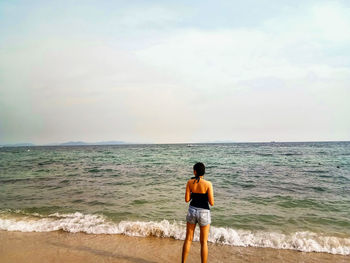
(279, 195)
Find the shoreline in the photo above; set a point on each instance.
(60, 246)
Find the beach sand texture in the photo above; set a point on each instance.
(66, 247)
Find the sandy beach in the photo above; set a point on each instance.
(66, 247)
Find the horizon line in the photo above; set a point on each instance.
(105, 143)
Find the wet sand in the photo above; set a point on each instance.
(66, 247)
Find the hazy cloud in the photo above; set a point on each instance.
(162, 73)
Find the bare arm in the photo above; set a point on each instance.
(188, 192)
(211, 194)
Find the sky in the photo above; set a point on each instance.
(174, 71)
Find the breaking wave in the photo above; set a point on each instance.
(98, 224)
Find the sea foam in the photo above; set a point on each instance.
(98, 224)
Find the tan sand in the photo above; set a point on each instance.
(68, 247)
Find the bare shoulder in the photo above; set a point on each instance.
(190, 181)
(208, 183)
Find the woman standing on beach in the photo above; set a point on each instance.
(200, 191)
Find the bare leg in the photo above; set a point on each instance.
(188, 241)
(204, 246)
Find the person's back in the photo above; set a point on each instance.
(201, 192)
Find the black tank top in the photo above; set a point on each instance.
(200, 200)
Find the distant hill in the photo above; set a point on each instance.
(71, 143)
(21, 144)
(110, 142)
(77, 143)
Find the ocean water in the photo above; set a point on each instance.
(279, 195)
